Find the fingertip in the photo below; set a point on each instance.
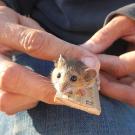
(91, 62)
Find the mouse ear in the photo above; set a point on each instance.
(61, 61)
(90, 74)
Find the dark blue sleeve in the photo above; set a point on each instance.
(128, 11)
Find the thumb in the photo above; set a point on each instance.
(118, 66)
(103, 38)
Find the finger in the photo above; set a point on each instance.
(27, 21)
(15, 78)
(117, 90)
(127, 80)
(36, 43)
(30, 38)
(114, 30)
(9, 15)
(118, 66)
(92, 62)
(11, 103)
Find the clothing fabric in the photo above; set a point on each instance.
(116, 119)
(128, 11)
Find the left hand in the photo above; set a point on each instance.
(20, 88)
(117, 81)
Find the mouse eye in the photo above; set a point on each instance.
(73, 78)
(58, 75)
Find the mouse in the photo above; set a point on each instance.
(71, 76)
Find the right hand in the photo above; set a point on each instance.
(118, 81)
(20, 88)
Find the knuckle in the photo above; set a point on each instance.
(32, 41)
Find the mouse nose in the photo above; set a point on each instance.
(64, 87)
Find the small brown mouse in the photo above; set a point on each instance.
(72, 76)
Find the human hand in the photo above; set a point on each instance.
(20, 88)
(117, 81)
(118, 78)
(120, 27)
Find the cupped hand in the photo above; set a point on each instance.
(21, 88)
(117, 79)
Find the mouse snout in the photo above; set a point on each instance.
(66, 89)
(63, 87)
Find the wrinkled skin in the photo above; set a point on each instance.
(117, 78)
(19, 33)
(24, 34)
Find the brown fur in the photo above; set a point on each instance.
(68, 68)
